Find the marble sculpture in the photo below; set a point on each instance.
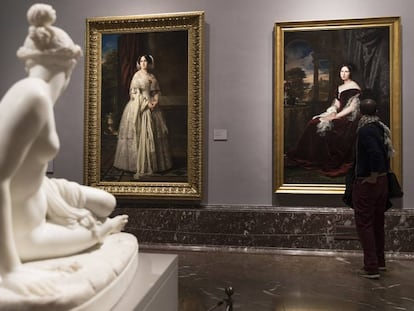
(59, 248)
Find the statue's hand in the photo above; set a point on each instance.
(32, 282)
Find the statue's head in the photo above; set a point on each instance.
(45, 44)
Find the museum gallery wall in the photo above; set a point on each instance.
(238, 86)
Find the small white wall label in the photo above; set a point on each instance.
(220, 134)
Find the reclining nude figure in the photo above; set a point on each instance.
(42, 218)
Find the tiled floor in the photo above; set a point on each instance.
(290, 282)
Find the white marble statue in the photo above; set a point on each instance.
(42, 218)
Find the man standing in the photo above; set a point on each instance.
(370, 192)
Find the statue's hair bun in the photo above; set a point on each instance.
(46, 43)
(41, 15)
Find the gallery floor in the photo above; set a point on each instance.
(296, 282)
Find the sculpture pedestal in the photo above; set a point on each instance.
(93, 280)
(155, 285)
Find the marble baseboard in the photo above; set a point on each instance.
(257, 226)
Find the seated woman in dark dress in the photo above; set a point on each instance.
(327, 143)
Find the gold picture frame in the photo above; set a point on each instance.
(326, 45)
(174, 47)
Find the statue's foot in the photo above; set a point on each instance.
(118, 223)
(110, 226)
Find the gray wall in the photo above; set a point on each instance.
(239, 60)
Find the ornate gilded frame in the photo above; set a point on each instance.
(149, 30)
(285, 31)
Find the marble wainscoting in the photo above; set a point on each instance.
(262, 227)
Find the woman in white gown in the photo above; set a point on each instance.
(42, 217)
(142, 145)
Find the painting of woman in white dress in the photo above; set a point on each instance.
(144, 107)
(143, 146)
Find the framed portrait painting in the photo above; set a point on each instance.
(325, 65)
(144, 105)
